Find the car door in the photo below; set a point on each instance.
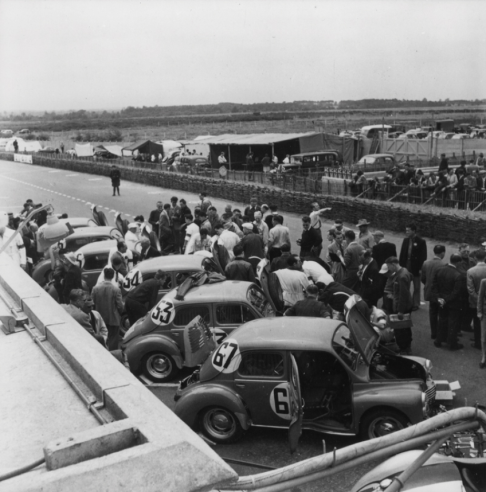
(262, 380)
(296, 410)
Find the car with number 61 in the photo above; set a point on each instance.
(306, 373)
(155, 345)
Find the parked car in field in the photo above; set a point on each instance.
(262, 374)
(371, 131)
(460, 136)
(446, 136)
(7, 133)
(82, 236)
(416, 134)
(24, 131)
(155, 344)
(311, 160)
(191, 160)
(377, 162)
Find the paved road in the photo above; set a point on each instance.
(73, 193)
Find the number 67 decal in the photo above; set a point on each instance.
(226, 358)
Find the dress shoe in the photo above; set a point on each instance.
(482, 365)
(437, 344)
(457, 346)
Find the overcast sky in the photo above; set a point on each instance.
(110, 54)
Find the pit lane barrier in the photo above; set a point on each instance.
(143, 445)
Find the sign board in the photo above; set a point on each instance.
(27, 158)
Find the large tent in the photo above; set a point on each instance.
(236, 147)
(84, 150)
(144, 147)
(112, 149)
(23, 145)
(349, 147)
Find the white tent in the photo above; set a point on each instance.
(84, 150)
(170, 146)
(23, 145)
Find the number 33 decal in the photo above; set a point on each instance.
(226, 358)
(280, 402)
(163, 313)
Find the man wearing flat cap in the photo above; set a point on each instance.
(364, 237)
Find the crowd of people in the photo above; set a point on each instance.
(447, 182)
(315, 281)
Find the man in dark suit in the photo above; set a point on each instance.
(352, 260)
(429, 268)
(412, 257)
(449, 285)
(369, 287)
(310, 306)
(473, 277)
(400, 282)
(147, 250)
(382, 249)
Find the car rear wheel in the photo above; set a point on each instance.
(220, 425)
(159, 367)
(382, 422)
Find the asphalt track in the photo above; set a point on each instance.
(74, 192)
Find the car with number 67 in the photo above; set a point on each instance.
(306, 373)
(155, 345)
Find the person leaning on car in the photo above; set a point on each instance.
(143, 298)
(310, 306)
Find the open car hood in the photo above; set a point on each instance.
(364, 336)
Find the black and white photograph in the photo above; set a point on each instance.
(242, 245)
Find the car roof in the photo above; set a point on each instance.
(228, 290)
(286, 333)
(372, 127)
(98, 247)
(78, 221)
(91, 231)
(376, 155)
(171, 263)
(318, 152)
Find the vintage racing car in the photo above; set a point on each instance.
(329, 375)
(155, 344)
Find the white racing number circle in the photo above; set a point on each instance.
(163, 313)
(219, 335)
(226, 358)
(133, 279)
(280, 401)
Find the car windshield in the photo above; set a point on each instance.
(258, 300)
(343, 345)
(368, 160)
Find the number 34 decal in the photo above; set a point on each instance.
(163, 313)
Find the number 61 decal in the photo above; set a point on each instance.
(226, 358)
(280, 401)
(163, 313)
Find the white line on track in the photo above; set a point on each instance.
(56, 171)
(95, 179)
(70, 175)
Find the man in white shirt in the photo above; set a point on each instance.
(191, 229)
(262, 228)
(222, 159)
(316, 272)
(287, 159)
(277, 237)
(227, 239)
(16, 248)
(132, 235)
(293, 282)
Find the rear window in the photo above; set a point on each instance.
(261, 364)
(233, 314)
(258, 300)
(96, 262)
(186, 314)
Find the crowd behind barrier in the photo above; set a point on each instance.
(391, 216)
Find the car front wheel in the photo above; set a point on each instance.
(220, 425)
(382, 422)
(159, 367)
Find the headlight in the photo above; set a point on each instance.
(428, 365)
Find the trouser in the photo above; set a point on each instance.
(166, 240)
(351, 279)
(483, 337)
(449, 323)
(467, 317)
(274, 253)
(434, 308)
(403, 336)
(416, 290)
(476, 327)
(113, 341)
(116, 188)
(177, 240)
(135, 310)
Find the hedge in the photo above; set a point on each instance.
(443, 225)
